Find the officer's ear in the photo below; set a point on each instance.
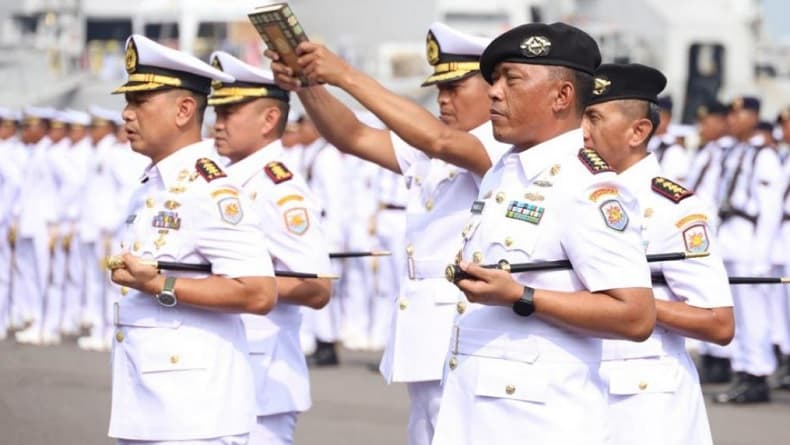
(186, 108)
(270, 117)
(641, 130)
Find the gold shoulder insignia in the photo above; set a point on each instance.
(670, 190)
(277, 172)
(208, 169)
(593, 161)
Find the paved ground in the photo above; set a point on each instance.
(60, 395)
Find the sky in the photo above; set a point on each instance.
(776, 16)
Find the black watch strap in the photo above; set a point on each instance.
(525, 305)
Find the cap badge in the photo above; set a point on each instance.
(535, 46)
(216, 64)
(432, 49)
(737, 104)
(601, 86)
(702, 111)
(131, 57)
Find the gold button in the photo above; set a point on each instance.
(477, 257)
(510, 389)
(119, 336)
(149, 202)
(460, 307)
(500, 197)
(452, 174)
(453, 363)
(459, 257)
(403, 304)
(136, 246)
(429, 204)
(508, 241)
(410, 250)
(642, 386)
(174, 359)
(124, 290)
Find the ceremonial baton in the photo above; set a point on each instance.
(661, 280)
(116, 262)
(359, 254)
(453, 272)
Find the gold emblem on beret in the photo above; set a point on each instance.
(131, 57)
(432, 49)
(535, 46)
(784, 115)
(737, 104)
(601, 86)
(702, 111)
(216, 64)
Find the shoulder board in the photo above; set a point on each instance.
(670, 190)
(208, 169)
(593, 161)
(277, 172)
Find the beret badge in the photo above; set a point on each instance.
(535, 46)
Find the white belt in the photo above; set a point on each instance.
(661, 343)
(424, 269)
(529, 349)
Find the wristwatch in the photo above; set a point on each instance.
(167, 297)
(525, 305)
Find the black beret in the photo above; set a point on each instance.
(765, 126)
(746, 103)
(665, 103)
(626, 81)
(556, 44)
(712, 108)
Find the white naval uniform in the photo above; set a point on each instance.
(10, 178)
(751, 191)
(290, 219)
(705, 172)
(323, 167)
(439, 195)
(781, 294)
(37, 211)
(672, 157)
(648, 381)
(182, 373)
(512, 379)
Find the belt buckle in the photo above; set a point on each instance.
(411, 268)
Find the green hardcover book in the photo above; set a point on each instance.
(281, 32)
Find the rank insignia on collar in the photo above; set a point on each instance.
(593, 161)
(696, 239)
(669, 189)
(208, 169)
(524, 211)
(277, 172)
(296, 220)
(477, 207)
(614, 215)
(230, 210)
(167, 220)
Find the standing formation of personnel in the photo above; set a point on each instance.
(539, 153)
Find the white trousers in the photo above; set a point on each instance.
(752, 348)
(6, 258)
(277, 429)
(29, 279)
(74, 287)
(425, 398)
(358, 288)
(779, 308)
(240, 439)
(53, 301)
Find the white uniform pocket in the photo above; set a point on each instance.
(511, 380)
(643, 376)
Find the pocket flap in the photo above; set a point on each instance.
(511, 380)
(643, 377)
(145, 315)
(170, 355)
(261, 341)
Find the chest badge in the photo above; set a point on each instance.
(167, 220)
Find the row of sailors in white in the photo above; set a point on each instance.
(65, 180)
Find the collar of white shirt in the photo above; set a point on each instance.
(638, 175)
(538, 158)
(168, 168)
(248, 167)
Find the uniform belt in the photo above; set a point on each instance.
(496, 344)
(419, 269)
(659, 344)
(388, 206)
(725, 215)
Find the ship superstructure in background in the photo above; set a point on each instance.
(74, 47)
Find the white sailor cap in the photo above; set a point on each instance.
(76, 118)
(250, 82)
(102, 116)
(7, 114)
(31, 115)
(453, 54)
(152, 66)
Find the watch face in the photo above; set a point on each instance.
(166, 299)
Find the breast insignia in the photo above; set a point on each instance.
(670, 190)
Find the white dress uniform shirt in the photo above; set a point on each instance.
(439, 195)
(510, 377)
(706, 169)
(182, 373)
(290, 220)
(672, 157)
(656, 376)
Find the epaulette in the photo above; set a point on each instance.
(670, 190)
(208, 169)
(593, 161)
(277, 172)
